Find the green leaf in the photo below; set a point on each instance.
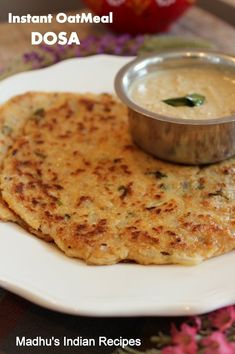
(176, 102)
(191, 100)
(196, 99)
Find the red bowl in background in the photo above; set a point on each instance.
(140, 16)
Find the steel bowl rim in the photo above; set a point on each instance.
(121, 92)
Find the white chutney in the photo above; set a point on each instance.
(217, 85)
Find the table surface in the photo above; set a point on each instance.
(19, 317)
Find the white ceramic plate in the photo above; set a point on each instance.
(42, 274)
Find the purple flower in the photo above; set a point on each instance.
(33, 57)
(52, 51)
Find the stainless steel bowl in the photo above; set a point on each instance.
(186, 141)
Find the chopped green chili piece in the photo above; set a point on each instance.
(39, 112)
(219, 193)
(123, 190)
(157, 174)
(67, 216)
(6, 130)
(40, 154)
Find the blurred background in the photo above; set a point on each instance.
(222, 8)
